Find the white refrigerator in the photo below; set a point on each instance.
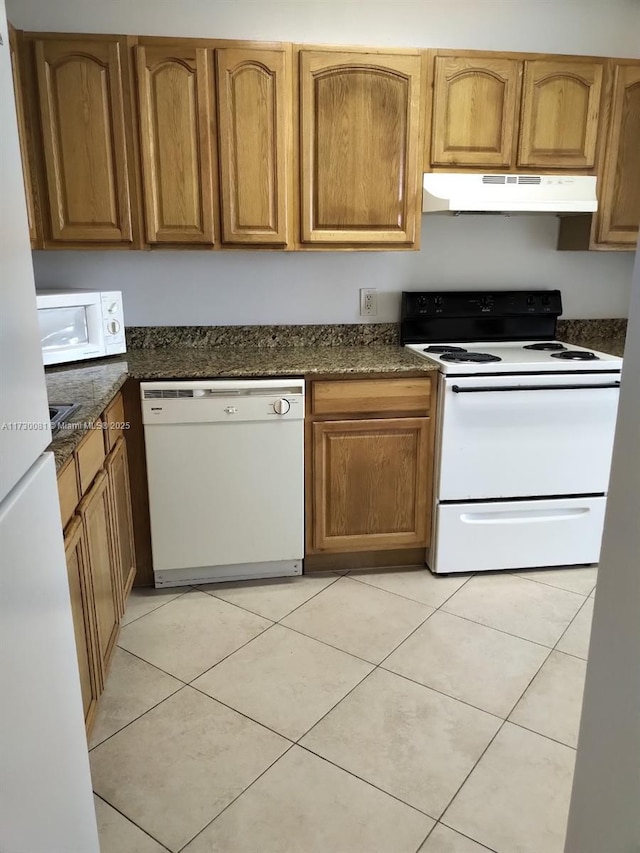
(46, 803)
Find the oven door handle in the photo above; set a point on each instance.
(484, 389)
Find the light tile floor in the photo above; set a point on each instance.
(374, 712)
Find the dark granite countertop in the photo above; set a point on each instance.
(94, 385)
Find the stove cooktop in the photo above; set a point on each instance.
(468, 357)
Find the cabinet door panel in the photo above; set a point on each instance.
(174, 92)
(474, 110)
(83, 129)
(22, 134)
(620, 196)
(359, 147)
(81, 593)
(95, 510)
(370, 484)
(118, 473)
(560, 111)
(254, 129)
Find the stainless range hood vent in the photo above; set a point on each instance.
(447, 192)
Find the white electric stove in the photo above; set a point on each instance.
(524, 432)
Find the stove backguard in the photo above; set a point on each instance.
(438, 316)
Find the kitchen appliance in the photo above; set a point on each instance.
(80, 324)
(47, 802)
(225, 462)
(446, 192)
(524, 434)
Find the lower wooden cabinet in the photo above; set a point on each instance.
(81, 592)
(370, 484)
(95, 508)
(117, 471)
(96, 512)
(369, 463)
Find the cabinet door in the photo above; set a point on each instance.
(359, 147)
(254, 101)
(118, 473)
(96, 512)
(620, 190)
(22, 134)
(83, 132)
(370, 484)
(560, 110)
(84, 628)
(474, 110)
(175, 99)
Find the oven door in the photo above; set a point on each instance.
(526, 436)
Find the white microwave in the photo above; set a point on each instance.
(80, 324)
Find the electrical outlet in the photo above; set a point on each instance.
(368, 302)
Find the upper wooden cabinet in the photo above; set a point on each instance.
(560, 111)
(619, 219)
(506, 111)
(474, 111)
(82, 115)
(29, 185)
(359, 143)
(254, 138)
(175, 100)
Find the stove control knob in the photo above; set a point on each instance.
(437, 300)
(546, 300)
(486, 302)
(531, 300)
(282, 406)
(422, 301)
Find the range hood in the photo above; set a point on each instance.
(446, 192)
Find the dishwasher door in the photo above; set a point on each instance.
(225, 467)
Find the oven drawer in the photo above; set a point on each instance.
(517, 534)
(526, 436)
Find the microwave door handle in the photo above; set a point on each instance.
(485, 389)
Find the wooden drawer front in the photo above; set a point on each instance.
(68, 491)
(114, 419)
(366, 396)
(90, 456)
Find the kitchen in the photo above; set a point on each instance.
(172, 288)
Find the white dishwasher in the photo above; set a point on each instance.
(225, 463)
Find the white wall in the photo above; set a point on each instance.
(465, 252)
(244, 287)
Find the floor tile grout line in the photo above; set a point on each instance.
(516, 574)
(275, 621)
(408, 597)
(501, 630)
(466, 778)
(442, 693)
(541, 734)
(366, 782)
(464, 835)
(244, 790)
(163, 604)
(155, 666)
(246, 643)
(559, 640)
(127, 818)
(325, 643)
(242, 714)
(232, 604)
(126, 725)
